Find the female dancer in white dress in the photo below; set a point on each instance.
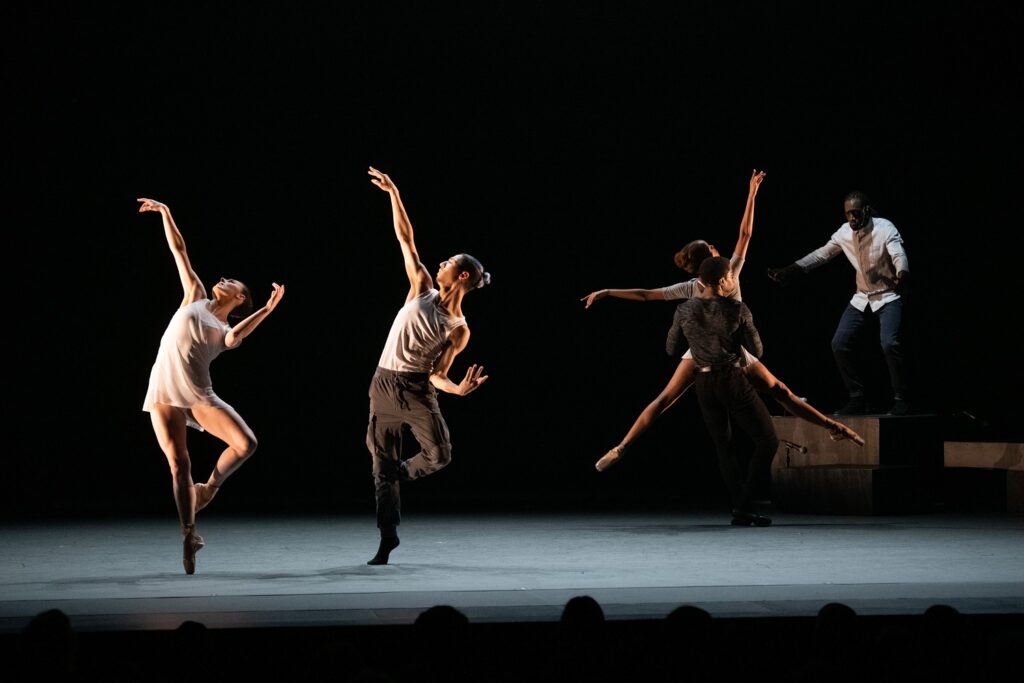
(689, 259)
(180, 392)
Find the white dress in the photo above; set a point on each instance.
(181, 373)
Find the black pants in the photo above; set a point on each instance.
(725, 396)
(398, 399)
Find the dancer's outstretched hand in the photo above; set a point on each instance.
(474, 378)
(151, 205)
(382, 180)
(785, 274)
(594, 296)
(275, 297)
(756, 177)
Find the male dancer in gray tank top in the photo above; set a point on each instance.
(426, 335)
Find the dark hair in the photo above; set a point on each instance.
(863, 199)
(478, 277)
(690, 257)
(714, 269)
(243, 309)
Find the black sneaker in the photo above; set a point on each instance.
(857, 405)
(899, 407)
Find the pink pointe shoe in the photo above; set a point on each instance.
(609, 459)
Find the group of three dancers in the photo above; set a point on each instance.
(427, 334)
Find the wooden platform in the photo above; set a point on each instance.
(984, 476)
(897, 470)
(903, 466)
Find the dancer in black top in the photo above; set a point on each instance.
(717, 328)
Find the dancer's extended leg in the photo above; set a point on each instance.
(681, 380)
(223, 422)
(763, 380)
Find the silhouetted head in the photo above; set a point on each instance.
(48, 643)
(688, 620)
(582, 611)
(690, 257)
(443, 617)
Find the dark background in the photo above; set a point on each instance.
(567, 150)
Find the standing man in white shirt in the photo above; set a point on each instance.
(875, 250)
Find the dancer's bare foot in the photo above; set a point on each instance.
(191, 544)
(609, 458)
(837, 431)
(387, 543)
(204, 494)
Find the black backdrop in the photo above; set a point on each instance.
(568, 150)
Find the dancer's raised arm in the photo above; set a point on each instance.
(747, 222)
(245, 328)
(419, 277)
(190, 282)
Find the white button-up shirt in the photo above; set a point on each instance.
(876, 254)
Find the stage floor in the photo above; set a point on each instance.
(310, 571)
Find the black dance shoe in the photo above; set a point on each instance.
(899, 407)
(749, 519)
(857, 405)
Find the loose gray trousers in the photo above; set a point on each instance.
(398, 399)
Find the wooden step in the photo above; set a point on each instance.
(982, 489)
(903, 441)
(984, 454)
(851, 489)
(983, 476)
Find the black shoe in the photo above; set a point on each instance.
(750, 519)
(899, 407)
(857, 405)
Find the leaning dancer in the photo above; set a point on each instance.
(426, 335)
(689, 259)
(180, 390)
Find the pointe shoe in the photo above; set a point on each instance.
(837, 431)
(191, 544)
(609, 459)
(204, 494)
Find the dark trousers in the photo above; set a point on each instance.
(725, 396)
(399, 399)
(848, 344)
